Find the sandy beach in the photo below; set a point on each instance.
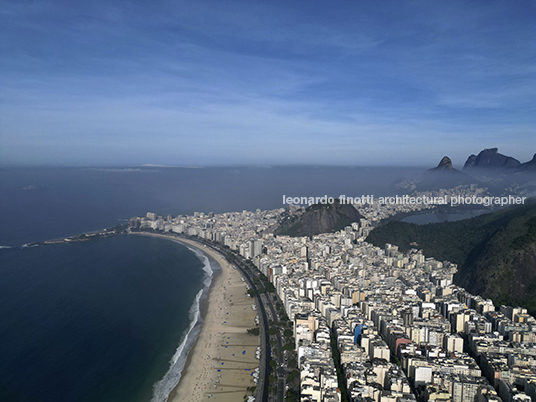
(222, 361)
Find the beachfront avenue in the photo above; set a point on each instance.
(367, 320)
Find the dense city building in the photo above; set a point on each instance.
(402, 329)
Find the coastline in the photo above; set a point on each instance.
(223, 352)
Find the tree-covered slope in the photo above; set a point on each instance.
(496, 252)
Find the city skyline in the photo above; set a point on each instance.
(189, 83)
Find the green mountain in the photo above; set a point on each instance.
(319, 218)
(495, 252)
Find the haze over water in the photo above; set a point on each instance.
(42, 203)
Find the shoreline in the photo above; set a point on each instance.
(223, 351)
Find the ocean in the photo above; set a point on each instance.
(112, 319)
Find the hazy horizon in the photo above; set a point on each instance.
(223, 166)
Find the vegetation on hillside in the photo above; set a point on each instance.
(496, 252)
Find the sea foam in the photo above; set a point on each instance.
(163, 388)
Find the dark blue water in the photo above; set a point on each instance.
(100, 321)
(93, 321)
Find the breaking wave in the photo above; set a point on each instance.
(163, 388)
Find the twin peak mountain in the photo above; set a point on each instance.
(488, 159)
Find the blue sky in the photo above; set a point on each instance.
(265, 82)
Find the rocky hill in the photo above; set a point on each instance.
(442, 176)
(496, 252)
(445, 164)
(528, 166)
(319, 218)
(490, 159)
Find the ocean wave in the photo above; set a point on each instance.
(1, 247)
(209, 272)
(163, 388)
(195, 310)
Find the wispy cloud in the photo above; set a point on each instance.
(271, 82)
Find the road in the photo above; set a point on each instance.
(281, 372)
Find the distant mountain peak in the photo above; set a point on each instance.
(490, 158)
(443, 176)
(530, 165)
(470, 162)
(445, 163)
